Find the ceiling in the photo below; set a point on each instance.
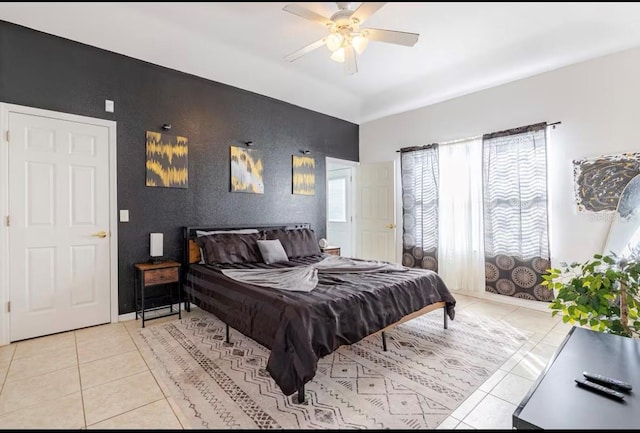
(463, 47)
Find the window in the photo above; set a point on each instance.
(515, 212)
(477, 208)
(419, 168)
(337, 200)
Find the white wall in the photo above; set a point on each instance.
(598, 103)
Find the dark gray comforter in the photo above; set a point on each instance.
(300, 327)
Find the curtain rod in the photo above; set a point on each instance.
(444, 143)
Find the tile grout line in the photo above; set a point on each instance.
(154, 377)
(524, 328)
(106, 357)
(131, 410)
(128, 411)
(6, 375)
(37, 375)
(491, 391)
(84, 414)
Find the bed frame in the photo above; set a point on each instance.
(191, 251)
(191, 254)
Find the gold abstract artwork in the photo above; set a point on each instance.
(304, 175)
(167, 163)
(246, 170)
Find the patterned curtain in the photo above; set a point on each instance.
(515, 212)
(419, 170)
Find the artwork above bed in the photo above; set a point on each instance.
(167, 160)
(246, 170)
(303, 174)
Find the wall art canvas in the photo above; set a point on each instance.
(246, 170)
(167, 160)
(599, 181)
(304, 175)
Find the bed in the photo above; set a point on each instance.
(301, 327)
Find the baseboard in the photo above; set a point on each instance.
(493, 297)
(126, 317)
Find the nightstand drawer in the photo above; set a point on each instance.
(161, 276)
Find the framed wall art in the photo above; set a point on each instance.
(167, 160)
(599, 181)
(304, 175)
(246, 170)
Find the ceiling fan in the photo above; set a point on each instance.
(345, 37)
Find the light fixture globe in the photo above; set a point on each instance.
(359, 42)
(334, 41)
(338, 55)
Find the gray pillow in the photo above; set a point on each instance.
(215, 232)
(272, 251)
(230, 248)
(296, 242)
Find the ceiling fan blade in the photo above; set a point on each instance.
(350, 64)
(302, 51)
(308, 14)
(391, 36)
(366, 9)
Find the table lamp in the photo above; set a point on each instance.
(155, 247)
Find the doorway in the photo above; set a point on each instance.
(340, 231)
(59, 233)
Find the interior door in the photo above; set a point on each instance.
(375, 211)
(59, 225)
(339, 204)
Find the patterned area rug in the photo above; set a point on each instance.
(425, 374)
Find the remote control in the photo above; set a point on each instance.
(607, 381)
(599, 389)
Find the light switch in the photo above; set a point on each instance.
(108, 106)
(124, 215)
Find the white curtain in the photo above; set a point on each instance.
(460, 245)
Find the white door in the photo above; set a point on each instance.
(59, 265)
(339, 221)
(375, 211)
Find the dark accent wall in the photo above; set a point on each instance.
(45, 71)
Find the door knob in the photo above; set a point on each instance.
(391, 226)
(100, 234)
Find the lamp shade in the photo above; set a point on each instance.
(155, 245)
(359, 42)
(334, 41)
(338, 55)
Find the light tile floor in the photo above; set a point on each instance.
(98, 378)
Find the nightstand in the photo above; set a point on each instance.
(155, 274)
(331, 250)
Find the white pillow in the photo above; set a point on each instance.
(215, 232)
(272, 251)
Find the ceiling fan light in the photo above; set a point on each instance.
(338, 55)
(334, 41)
(359, 42)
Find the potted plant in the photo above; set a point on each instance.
(601, 293)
